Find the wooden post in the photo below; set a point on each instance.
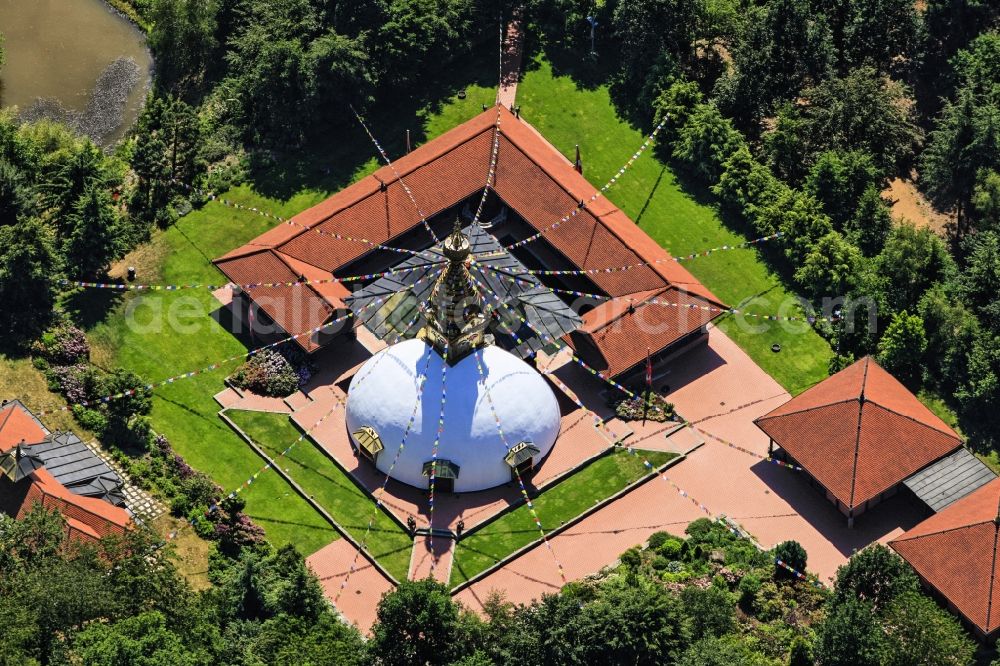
(578, 165)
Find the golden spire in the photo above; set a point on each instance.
(456, 323)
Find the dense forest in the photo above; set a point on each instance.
(792, 115)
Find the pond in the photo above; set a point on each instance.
(76, 61)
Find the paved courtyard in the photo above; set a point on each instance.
(715, 386)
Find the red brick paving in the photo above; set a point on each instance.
(367, 584)
(719, 386)
(425, 558)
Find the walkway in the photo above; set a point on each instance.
(511, 70)
(359, 601)
(432, 558)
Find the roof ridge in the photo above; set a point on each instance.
(857, 435)
(923, 423)
(903, 537)
(765, 417)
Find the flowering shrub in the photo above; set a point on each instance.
(267, 373)
(64, 344)
(77, 383)
(656, 408)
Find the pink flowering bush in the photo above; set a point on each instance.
(267, 373)
(63, 344)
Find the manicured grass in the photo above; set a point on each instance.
(331, 487)
(651, 195)
(564, 501)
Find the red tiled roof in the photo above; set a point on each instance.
(617, 335)
(859, 432)
(296, 309)
(17, 425)
(100, 517)
(955, 551)
(532, 178)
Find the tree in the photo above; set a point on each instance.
(902, 347)
(93, 240)
(876, 576)
(15, 195)
(29, 269)
(861, 111)
(986, 200)
(183, 40)
(166, 156)
(143, 640)
(794, 555)
(871, 223)
(966, 140)
(746, 185)
(631, 625)
(654, 36)
(29, 542)
(710, 611)
(705, 142)
(980, 277)
(839, 180)
(912, 260)
(722, 651)
(980, 391)
(951, 329)
(414, 33)
(878, 33)
(921, 633)
(417, 623)
(831, 268)
(784, 48)
(849, 636)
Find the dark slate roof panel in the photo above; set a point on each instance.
(78, 468)
(949, 479)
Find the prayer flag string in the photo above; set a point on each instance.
(520, 482)
(434, 456)
(422, 379)
(583, 204)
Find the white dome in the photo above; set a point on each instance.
(384, 391)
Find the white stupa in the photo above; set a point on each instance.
(404, 382)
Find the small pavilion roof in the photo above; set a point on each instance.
(859, 432)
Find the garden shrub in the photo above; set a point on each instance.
(656, 409)
(267, 373)
(794, 555)
(63, 344)
(671, 548)
(748, 588)
(656, 539)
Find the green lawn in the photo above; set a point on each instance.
(650, 194)
(331, 487)
(564, 501)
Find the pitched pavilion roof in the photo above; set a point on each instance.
(617, 335)
(859, 432)
(955, 551)
(532, 178)
(86, 517)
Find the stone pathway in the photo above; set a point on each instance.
(141, 503)
(359, 600)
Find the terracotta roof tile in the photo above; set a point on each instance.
(17, 425)
(859, 450)
(955, 551)
(295, 309)
(615, 340)
(532, 178)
